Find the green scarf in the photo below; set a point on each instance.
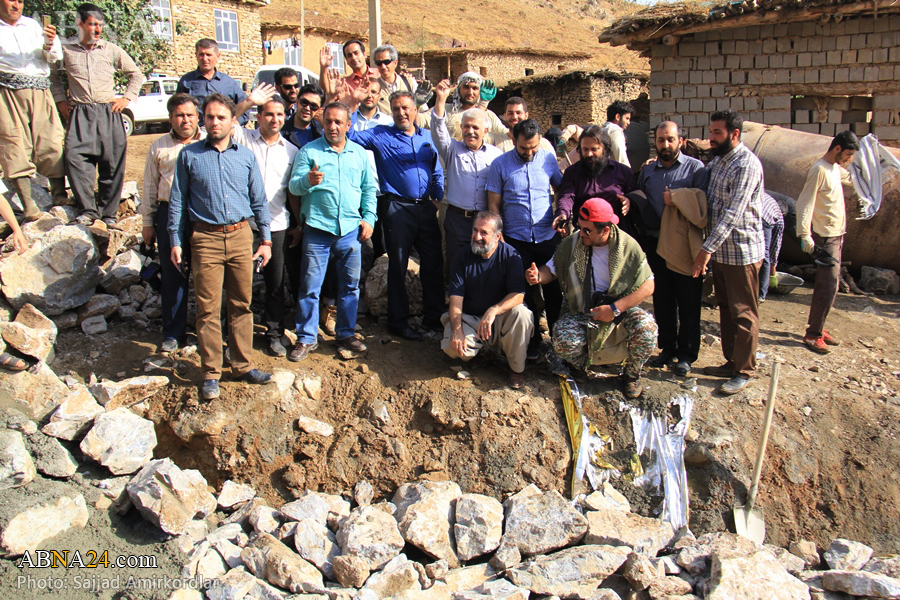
(628, 270)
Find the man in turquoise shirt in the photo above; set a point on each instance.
(337, 187)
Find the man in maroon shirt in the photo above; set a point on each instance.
(596, 175)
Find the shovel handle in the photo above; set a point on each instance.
(767, 425)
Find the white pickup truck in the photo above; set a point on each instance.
(150, 105)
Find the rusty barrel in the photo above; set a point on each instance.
(787, 155)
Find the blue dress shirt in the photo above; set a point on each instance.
(218, 188)
(200, 87)
(685, 172)
(408, 165)
(526, 194)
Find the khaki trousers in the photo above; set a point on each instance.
(223, 260)
(510, 332)
(737, 292)
(31, 134)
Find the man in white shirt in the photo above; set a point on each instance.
(618, 118)
(516, 110)
(275, 156)
(31, 132)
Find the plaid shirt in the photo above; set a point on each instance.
(735, 235)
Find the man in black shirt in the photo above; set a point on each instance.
(487, 291)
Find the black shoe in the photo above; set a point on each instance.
(301, 351)
(256, 376)
(276, 347)
(408, 333)
(429, 325)
(660, 360)
(682, 368)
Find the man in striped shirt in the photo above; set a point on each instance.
(735, 244)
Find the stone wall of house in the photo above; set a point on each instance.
(196, 20)
(495, 66)
(819, 78)
(579, 101)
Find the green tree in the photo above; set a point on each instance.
(129, 24)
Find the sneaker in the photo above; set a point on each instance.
(660, 360)
(169, 345)
(817, 344)
(301, 351)
(276, 347)
(829, 339)
(352, 344)
(632, 387)
(726, 370)
(734, 385)
(210, 389)
(515, 380)
(682, 368)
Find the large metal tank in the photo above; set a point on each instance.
(787, 155)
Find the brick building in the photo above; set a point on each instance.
(818, 66)
(498, 64)
(234, 24)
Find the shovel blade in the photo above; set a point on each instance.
(750, 522)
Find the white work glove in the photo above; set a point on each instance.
(807, 244)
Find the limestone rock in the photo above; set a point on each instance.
(805, 550)
(607, 498)
(573, 572)
(425, 515)
(669, 587)
(186, 594)
(28, 518)
(99, 304)
(847, 555)
(606, 594)
(497, 589)
(375, 290)
(370, 534)
(235, 493)
(269, 559)
(65, 214)
(57, 273)
(479, 525)
(204, 563)
(12, 418)
(265, 520)
(398, 577)
(437, 569)
(350, 571)
(640, 571)
(113, 394)
(861, 583)
(696, 557)
(31, 333)
(50, 457)
(233, 585)
(94, 325)
(16, 466)
(879, 281)
(73, 418)
(363, 493)
(506, 556)
(307, 507)
(467, 578)
(125, 270)
(121, 441)
(315, 427)
(793, 564)
(170, 497)
(626, 529)
(338, 508)
(65, 320)
(754, 576)
(539, 524)
(316, 544)
(37, 391)
(889, 566)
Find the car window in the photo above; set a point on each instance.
(169, 87)
(151, 87)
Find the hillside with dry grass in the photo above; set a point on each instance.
(410, 25)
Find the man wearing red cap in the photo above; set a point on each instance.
(604, 276)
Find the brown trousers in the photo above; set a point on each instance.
(737, 292)
(826, 287)
(223, 260)
(31, 134)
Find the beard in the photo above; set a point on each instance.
(723, 148)
(667, 154)
(595, 166)
(482, 248)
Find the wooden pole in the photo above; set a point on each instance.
(374, 28)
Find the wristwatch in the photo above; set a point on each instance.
(616, 311)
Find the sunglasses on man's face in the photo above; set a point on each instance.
(290, 86)
(384, 63)
(312, 105)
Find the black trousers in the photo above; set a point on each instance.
(676, 306)
(274, 273)
(406, 226)
(540, 253)
(95, 140)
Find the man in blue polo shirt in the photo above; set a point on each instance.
(413, 183)
(520, 188)
(487, 291)
(206, 79)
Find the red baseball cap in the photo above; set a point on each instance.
(598, 210)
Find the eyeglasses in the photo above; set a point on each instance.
(384, 63)
(312, 105)
(290, 86)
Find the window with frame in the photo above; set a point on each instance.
(227, 35)
(337, 53)
(292, 56)
(163, 11)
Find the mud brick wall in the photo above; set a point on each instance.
(495, 66)
(196, 20)
(580, 101)
(819, 78)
